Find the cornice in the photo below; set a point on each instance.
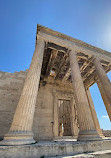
(71, 39)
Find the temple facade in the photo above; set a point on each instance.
(52, 100)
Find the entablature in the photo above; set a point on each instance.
(56, 61)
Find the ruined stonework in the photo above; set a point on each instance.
(51, 101)
(11, 85)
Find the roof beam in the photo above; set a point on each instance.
(57, 47)
(51, 61)
(88, 72)
(90, 80)
(66, 76)
(85, 64)
(61, 65)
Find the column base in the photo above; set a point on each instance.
(88, 136)
(18, 138)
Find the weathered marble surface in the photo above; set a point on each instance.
(50, 149)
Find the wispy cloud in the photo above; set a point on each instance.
(105, 116)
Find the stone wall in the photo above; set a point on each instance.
(43, 118)
(44, 110)
(11, 85)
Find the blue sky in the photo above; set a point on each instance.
(87, 20)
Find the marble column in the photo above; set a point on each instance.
(87, 129)
(93, 112)
(21, 128)
(105, 99)
(102, 76)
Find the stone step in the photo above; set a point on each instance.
(98, 154)
(96, 149)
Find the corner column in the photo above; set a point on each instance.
(93, 112)
(21, 129)
(87, 129)
(102, 76)
(105, 99)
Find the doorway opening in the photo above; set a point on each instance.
(64, 118)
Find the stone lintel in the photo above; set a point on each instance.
(72, 43)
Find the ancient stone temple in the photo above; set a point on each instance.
(52, 100)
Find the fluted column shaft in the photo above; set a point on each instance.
(21, 128)
(93, 112)
(105, 99)
(87, 129)
(102, 76)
